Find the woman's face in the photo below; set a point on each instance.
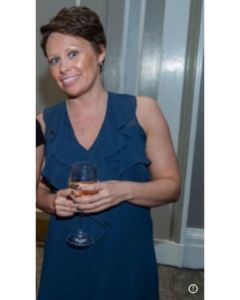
(73, 63)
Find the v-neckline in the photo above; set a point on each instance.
(99, 132)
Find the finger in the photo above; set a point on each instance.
(65, 212)
(65, 193)
(88, 207)
(76, 193)
(96, 209)
(62, 203)
(87, 199)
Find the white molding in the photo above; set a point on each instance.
(194, 248)
(194, 236)
(173, 63)
(169, 253)
(140, 44)
(124, 44)
(193, 132)
(133, 29)
(187, 255)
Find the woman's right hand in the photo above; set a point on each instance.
(64, 205)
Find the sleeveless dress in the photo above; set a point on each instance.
(121, 265)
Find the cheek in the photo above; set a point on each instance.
(89, 64)
(53, 72)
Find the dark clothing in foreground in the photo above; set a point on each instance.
(39, 134)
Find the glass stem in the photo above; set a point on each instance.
(81, 216)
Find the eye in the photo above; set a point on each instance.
(53, 61)
(72, 54)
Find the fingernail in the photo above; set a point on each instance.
(88, 186)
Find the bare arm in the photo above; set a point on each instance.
(42, 123)
(45, 199)
(39, 161)
(165, 184)
(60, 203)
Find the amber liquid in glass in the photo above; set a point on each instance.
(74, 185)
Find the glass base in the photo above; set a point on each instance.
(79, 240)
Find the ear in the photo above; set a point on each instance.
(101, 55)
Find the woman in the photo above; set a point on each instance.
(127, 138)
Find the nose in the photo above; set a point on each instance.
(65, 65)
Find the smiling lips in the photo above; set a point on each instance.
(69, 80)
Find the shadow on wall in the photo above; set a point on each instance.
(48, 91)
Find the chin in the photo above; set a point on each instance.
(73, 93)
(75, 90)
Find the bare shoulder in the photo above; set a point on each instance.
(148, 102)
(41, 121)
(40, 118)
(149, 113)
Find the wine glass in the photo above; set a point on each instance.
(81, 172)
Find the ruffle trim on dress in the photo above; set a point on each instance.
(123, 156)
(122, 137)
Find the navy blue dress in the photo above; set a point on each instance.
(121, 265)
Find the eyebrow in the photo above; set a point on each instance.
(73, 47)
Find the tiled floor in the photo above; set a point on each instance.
(174, 282)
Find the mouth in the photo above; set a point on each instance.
(69, 80)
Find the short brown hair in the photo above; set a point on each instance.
(76, 21)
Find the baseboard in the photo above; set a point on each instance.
(187, 255)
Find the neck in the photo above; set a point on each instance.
(89, 102)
